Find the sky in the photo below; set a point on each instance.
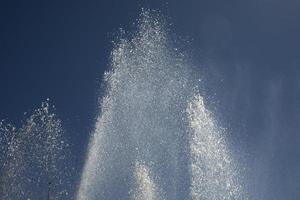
(247, 52)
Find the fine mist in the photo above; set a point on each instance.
(154, 137)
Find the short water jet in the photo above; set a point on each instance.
(33, 156)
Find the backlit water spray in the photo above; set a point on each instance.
(33, 158)
(154, 138)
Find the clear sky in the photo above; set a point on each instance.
(247, 51)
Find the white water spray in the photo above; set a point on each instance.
(144, 188)
(154, 138)
(213, 174)
(33, 158)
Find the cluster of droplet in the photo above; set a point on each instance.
(32, 157)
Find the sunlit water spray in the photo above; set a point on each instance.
(33, 158)
(144, 187)
(154, 138)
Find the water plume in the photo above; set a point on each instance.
(154, 138)
(214, 175)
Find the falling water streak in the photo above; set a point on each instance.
(153, 125)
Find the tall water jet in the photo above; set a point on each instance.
(152, 135)
(33, 158)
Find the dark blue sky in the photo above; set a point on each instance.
(248, 53)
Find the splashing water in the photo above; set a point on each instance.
(32, 159)
(154, 138)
